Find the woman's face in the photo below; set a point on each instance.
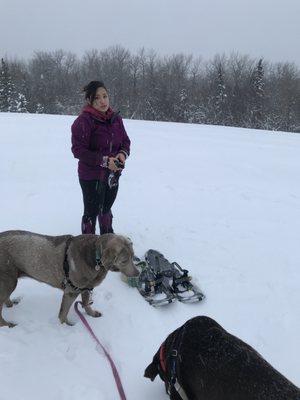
(101, 102)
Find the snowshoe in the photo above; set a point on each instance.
(174, 279)
(149, 284)
(182, 287)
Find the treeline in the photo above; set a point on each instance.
(233, 90)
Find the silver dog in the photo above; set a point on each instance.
(75, 264)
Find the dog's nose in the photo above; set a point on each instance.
(135, 272)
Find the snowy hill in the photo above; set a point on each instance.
(223, 202)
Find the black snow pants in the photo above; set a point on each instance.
(98, 199)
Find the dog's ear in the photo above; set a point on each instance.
(151, 371)
(108, 258)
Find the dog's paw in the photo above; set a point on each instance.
(91, 312)
(11, 302)
(67, 322)
(9, 324)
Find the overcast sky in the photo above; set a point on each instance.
(260, 28)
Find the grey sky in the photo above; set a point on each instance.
(260, 28)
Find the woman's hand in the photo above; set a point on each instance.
(121, 157)
(112, 164)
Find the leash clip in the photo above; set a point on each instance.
(98, 260)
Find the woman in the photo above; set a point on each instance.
(101, 144)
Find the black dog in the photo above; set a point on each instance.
(201, 361)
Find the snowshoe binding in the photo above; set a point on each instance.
(149, 284)
(182, 287)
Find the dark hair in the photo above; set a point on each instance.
(91, 88)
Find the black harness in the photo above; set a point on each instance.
(67, 281)
(172, 383)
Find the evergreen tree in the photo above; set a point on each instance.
(258, 96)
(181, 108)
(10, 99)
(5, 87)
(221, 112)
(39, 109)
(21, 103)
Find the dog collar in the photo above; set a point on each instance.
(162, 359)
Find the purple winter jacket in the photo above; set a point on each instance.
(93, 140)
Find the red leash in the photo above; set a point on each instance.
(112, 364)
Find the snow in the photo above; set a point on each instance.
(223, 202)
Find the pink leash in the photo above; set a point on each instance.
(112, 364)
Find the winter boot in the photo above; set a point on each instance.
(88, 225)
(105, 222)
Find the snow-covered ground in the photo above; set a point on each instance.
(223, 202)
